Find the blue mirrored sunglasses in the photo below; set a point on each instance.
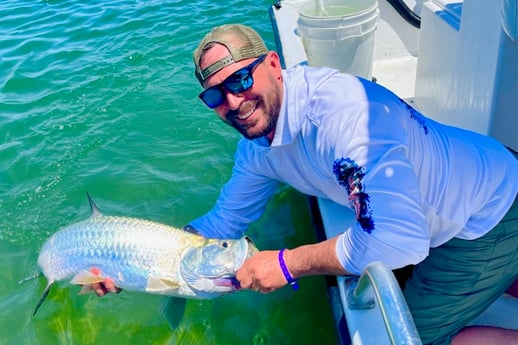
(239, 81)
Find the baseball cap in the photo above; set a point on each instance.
(241, 41)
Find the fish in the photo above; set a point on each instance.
(142, 255)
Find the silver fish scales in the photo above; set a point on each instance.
(142, 255)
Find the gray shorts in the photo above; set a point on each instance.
(461, 278)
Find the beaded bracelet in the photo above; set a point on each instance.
(287, 275)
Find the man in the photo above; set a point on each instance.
(423, 193)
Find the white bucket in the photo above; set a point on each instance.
(339, 34)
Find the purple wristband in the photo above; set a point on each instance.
(287, 275)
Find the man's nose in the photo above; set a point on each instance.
(233, 100)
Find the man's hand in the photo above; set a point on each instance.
(261, 272)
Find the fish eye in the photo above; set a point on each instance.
(224, 244)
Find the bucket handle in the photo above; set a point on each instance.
(357, 31)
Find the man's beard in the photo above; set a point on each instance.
(271, 115)
(250, 131)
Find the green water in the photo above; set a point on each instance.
(100, 96)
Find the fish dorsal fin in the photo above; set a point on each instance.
(161, 284)
(85, 277)
(94, 211)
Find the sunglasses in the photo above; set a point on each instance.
(239, 81)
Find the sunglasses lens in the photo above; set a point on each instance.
(239, 81)
(212, 97)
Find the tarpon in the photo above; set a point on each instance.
(142, 255)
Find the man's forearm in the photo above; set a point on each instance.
(314, 259)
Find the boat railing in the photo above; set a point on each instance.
(369, 309)
(377, 288)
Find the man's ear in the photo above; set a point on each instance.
(275, 62)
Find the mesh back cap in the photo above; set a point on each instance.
(241, 41)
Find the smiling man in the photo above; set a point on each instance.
(426, 195)
(250, 106)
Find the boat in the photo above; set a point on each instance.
(455, 61)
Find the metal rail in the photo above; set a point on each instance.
(379, 279)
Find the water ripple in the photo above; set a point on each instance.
(100, 96)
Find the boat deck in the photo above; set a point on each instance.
(396, 45)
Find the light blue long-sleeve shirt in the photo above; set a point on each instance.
(412, 182)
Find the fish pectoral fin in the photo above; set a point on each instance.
(161, 284)
(86, 278)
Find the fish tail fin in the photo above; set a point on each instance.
(43, 296)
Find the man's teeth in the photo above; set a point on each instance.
(247, 114)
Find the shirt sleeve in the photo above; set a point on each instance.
(390, 226)
(242, 200)
(369, 158)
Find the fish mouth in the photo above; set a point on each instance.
(229, 282)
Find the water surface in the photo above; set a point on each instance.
(99, 96)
